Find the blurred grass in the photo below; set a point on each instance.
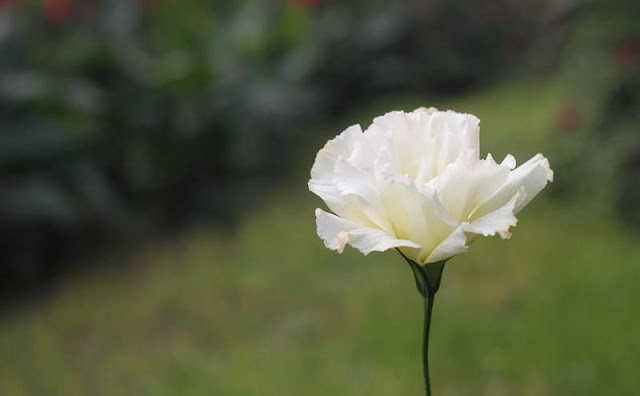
(269, 311)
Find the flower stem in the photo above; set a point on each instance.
(428, 309)
(427, 282)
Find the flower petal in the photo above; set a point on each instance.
(350, 180)
(337, 232)
(509, 161)
(339, 147)
(454, 244)
(532, 176)
(323, 173)
(468, 183)
(498, 221)
(413, 214)
(467, 126)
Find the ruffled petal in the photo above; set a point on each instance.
(337, 232)
(532, 177)
(467, 183)
(461, 133)
(339, 147)
(422, 143)
(322, 181)
(454, 244)
(413, 214)
(498, 221)
(509, 161)
(350, 180)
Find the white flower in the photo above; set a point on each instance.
(415, 181)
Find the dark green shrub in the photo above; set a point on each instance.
(122, 116)
(604, 60)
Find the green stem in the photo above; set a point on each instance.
(428, 309)
(427, 282)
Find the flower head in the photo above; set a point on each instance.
(415, 181)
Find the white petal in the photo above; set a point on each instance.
(350, 180)
(346, 206)
(440, 209)
(422, 143)
(402, 140)
(454, 244)
(498, 221)
(449, 148)
(396, 121)
(471, 134)
(465, 128)
(532, 176)
(509, 161)
(337, 232)
(413, 214)
(468, 183)
(364, 153)
(339, 147)
(323, 173)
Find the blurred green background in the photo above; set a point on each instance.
(157, 236)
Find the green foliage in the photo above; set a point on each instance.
(120, 116)
(603, 56)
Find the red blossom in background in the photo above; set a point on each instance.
(625, 52)
(57, 11)
(9, 3)
(567, 117)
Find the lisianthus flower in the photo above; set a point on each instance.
(415, 181)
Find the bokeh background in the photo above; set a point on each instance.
(157, 236)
